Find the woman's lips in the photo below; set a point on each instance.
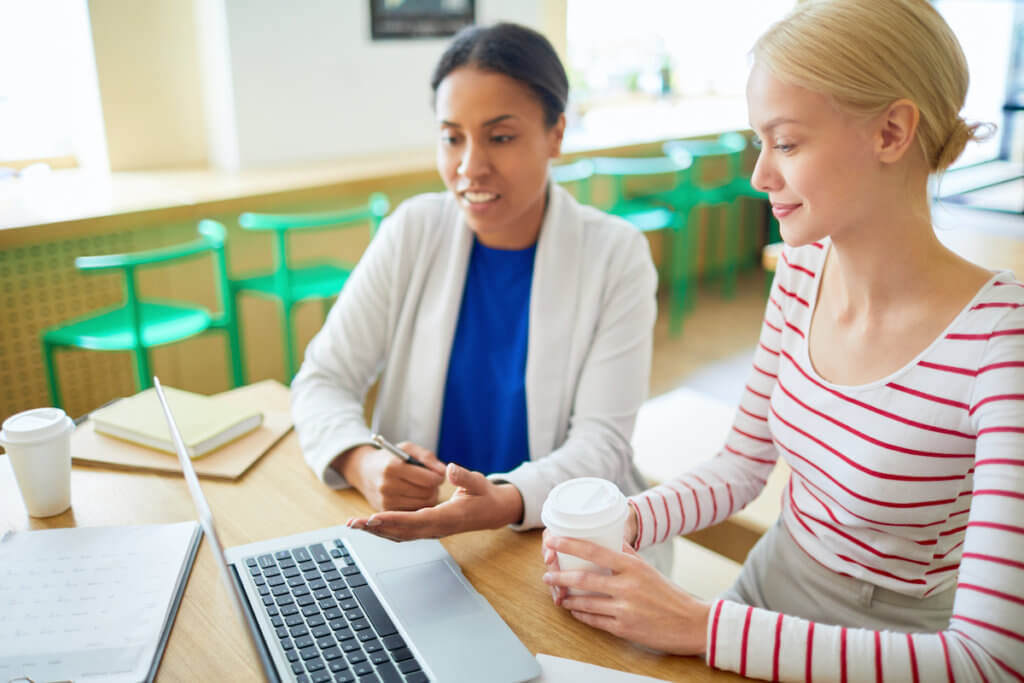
(781, 210)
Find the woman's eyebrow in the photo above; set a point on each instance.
(489, 122)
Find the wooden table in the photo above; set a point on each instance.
(280, 496)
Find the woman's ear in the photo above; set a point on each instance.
(556, 133)
(897, 127)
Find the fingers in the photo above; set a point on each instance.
(581, 580)
(586, 550)
(425, 456)
(601, 621)
(473, 482)
(432, 522)
(420, 477)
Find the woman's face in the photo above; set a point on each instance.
(816, 163)
(493, 152)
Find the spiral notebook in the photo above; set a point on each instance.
(91, 603)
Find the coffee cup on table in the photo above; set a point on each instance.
(590, 509)
(38, 443)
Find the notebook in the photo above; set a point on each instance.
(206, 423)
(91, 603)
(339, 604)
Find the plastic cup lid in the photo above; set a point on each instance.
(38, 424)
(584, 503)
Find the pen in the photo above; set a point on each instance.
(381, 442)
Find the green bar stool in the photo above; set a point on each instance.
(666, 210)
(577, 173)
(723, 192)
(138, 325)
(290, 284)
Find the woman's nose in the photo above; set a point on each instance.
(474, 162)
(765, 178)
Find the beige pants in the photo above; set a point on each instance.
(778, 575)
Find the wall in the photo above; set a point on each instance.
(308, 84)
(148, 72)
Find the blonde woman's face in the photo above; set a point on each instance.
(816, 163)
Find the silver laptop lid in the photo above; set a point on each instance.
(206, 520)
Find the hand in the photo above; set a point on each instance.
(477, 503)
(558, 593)
(387, 482)
(638, 603)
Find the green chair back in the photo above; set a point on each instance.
(578, 173)
(138, 324)
(289, 284)
(651, 211)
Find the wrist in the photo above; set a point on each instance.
(350, 464)
(510, 504)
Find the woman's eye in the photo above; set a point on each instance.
(449, 139)
(784, 148)
(501, 139)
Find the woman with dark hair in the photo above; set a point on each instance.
(509, 326)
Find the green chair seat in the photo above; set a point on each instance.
(577, 173)
(290, 284)
(319, 281)
(643, 217)
(139, 324)
(112, 330)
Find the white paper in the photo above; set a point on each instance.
(560, 670)
(88, 602)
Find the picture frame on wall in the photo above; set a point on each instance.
(405, 19)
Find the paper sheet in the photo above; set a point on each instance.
(560, 670)
(89, 602)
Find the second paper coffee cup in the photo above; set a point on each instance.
(587, 508)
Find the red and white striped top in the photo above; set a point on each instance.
(914, 483)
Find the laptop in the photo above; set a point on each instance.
(340, 604)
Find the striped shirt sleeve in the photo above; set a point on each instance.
(716, 489)
(985, 637)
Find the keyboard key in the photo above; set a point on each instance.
(401, 654)
(363, 669)
(394, 642)
(282, 632)
(272, 611)
(298, 668)
(417, 677)
(299, 631)
(264, 590)
(319, 553)
(315, 664)
(327, 641)
(255, 571)
(332, 575)
(343, 634)
(296, 581)
(338, 624)
(251, 561)
(338, 543)
(308, 652)
(315, 620)
(304, 642)
(294, 620)
(408, 666)
(286, 564)
(355, 581)
(282, 554)
(321, 631)
(300, 590)
(337, 665)
(327, 604)
(267, 561)
(275, 581)
(338, 585)
(286, 644)
(271, 571)
(300, 554)
(280, 590)
(305, 601)
(292, 655)
(288, 610)
(349, 604)
(332, 614)
(317, 585)
(277, 621)
(350, 570)
(292, 572)
(268, 600)
(309, 610)
(379, 657)
(350, 646)
(285, 600)
(331, 653)
(321, 677)
(302, 678)
(374, 611)
(259, 580)
(335, 552)
(389, 674)
(322, 593)
(367, 635)
(373, 645)
(359, 624)
(353, 614)
(355, 657)
(345, 676)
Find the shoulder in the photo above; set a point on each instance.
(997, 311)
(423, 216)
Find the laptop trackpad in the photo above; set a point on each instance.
(424, 594)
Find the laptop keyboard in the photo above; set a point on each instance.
(328, 620)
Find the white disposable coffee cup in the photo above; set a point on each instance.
(587, 508)
(38, 442)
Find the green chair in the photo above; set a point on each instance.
(651, 211)
(290, 284)
(577, 173)
(138, 325)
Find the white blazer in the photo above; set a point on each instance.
(592, 312)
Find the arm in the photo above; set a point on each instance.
(722, 486)
(612, 385)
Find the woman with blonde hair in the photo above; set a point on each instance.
(889, 376)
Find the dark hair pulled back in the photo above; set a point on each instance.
(514, 51)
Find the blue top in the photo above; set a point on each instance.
(483, 418)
